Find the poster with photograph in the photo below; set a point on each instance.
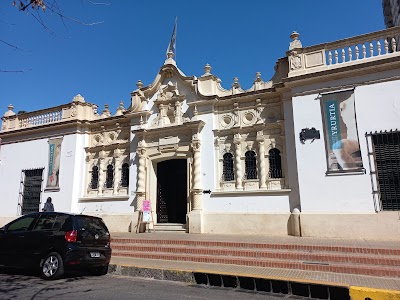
(53, 174)
(340, 129)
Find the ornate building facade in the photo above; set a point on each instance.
(297, 154)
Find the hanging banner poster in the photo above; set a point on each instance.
(146, 211)
(53, 174)
(340, 129)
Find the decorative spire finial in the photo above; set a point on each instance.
(258, 77)
(10, 111)
(170, 55)
(207, 69)
(236, 83)
(295, 43)
(139, 84)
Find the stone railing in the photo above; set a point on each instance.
(39, 118)
(372, 46)
(78, 109)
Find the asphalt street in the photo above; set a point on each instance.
(27, 285)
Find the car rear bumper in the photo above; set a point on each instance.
(76, 257)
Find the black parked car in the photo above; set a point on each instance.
(55, 242)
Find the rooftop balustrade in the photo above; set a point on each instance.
(78, 109)
(351, 51)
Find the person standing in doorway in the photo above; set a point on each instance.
(48, 206)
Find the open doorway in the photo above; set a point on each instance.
(172, 191)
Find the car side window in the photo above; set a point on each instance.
(21, 224)
(45, 222)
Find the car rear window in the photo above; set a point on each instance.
(91, 224)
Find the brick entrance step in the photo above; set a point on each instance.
(374, 261)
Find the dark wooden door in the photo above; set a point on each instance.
(162, 210)
(172, 191)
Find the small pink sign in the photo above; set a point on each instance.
(146, 205)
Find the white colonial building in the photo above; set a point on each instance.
(315, 151)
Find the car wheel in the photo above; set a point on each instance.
(99, 271)
(52, 267)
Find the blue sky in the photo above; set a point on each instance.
(103, 62)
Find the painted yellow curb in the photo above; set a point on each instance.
(363, 293)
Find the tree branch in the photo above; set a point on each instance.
(14, 71)
(13, 46)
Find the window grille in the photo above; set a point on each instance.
(125, 175)
(251, 165)
(110, 176)
(275, 164)
(31, 190)
(386, 153)
(228, 173)
(94, 184)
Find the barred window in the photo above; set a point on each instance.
(251, 165)
(125, 175)
(275, 164)
(110, 176)
(94, 184)
(228, 173)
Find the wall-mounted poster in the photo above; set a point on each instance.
(340, 130)
(53, 174)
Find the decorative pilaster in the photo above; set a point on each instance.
(217, 166)
(263, 171)
(141, 182)
(89, 158)
(284, 161)
(117, 170)
(178, 113)
(238, 152)
(102, 171)
(197, 191)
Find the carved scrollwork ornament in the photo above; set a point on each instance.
(74, 111)
(295, 61)
(141, 152)
(196, 145)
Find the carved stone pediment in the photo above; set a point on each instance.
(169, 93)
(107, 138)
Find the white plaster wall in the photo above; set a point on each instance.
(377, 108)
(207, 155)
(106, 206)
(31, 155)
(248, 203)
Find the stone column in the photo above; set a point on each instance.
(141, 181)
(218, 167)
(238, 152)
(117, 170)
(263, 171)
(102, 171)
(197, 190)
(284, 161)
(89, 157)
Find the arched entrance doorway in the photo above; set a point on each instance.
(172, 191)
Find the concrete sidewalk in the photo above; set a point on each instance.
(358, 285)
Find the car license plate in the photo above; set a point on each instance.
(94, 254)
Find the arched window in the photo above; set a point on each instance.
(110, 176)
(251, 165)
(228, 173)
(125, 175)
(275, 164)
(94, 184)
